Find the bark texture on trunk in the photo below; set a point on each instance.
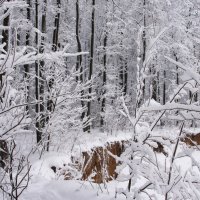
(87, 128)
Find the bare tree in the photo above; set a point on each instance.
(17, 175)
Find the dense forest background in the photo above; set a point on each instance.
(75, 67)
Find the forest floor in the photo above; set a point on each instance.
(45, 184)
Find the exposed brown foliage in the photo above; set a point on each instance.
(99, 165)
(191, 139)
(159, 148)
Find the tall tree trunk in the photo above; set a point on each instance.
(87, 128)
(42, 63)
(79, 47)
(37, 106)
(125, 77)
(121, 72)
(144, 44)
(55, 45)
(5, 33)
(103, 105)
(26, 67)
(56, 30)
(153, 82)
(158, 87)
(5, 39)
(79, 60)
(39, 81)
(164, 87)
(140, 97)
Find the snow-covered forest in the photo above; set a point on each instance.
(99, 99)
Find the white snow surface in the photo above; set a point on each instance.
(47, 185)
(42, 189)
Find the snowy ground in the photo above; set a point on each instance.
(41, 189)
(47, 185)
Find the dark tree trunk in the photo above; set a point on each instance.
(5, 33)
(5, 39)
(144, 45)
(158, 87)
(154, 89)
(121, 73)
(55, 45)
(164, 88)
(37, 106)
(87, 128)
(125, 78)
(50, 103)
(42, 63)
(79, 47)
(39, 81)
(79, 66)
(26, 67)
(56, 30)
(103, 105)
(177, 75)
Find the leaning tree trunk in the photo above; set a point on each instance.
(87, 128)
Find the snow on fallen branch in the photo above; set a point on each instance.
(31, 58)
(172, 106)
(163, 112)
(194, 75)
